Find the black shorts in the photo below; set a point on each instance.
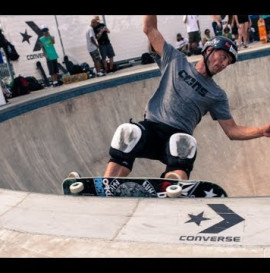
(52, 66)
(194, 36)
(106, 51)
(154, 144)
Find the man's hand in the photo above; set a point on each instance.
(266, 130)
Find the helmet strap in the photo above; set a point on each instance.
(205, 59)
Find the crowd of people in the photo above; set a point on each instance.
(98, 46)
(241, 29)
(97, 43)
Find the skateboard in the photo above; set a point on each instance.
(75, 78)
(62, 68)
(43, 74)
(140, 187)
(262, 31)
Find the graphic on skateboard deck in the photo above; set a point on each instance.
(75, 78)
(140, 187)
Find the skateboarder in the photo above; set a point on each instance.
(47, 44)
(186, 92)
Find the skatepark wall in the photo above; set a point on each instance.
(126, 36)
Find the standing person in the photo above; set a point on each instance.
(233, 26)
(193, 30)
(93, 50)
(244, 23)
(185, 94)
(47, 42)
(105, 46)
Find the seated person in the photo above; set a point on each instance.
(227, 33)
(207, 36)
(182, 44)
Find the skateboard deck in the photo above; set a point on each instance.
(140, 187)
(75, 78)
(42, 73)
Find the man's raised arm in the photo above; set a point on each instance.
(154, 36)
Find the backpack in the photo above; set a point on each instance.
(147, 58)
(34, 85)
(85, 67)
(12, 54)
(72, 68)
(20, 87)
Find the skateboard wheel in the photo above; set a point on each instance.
(76, 187)
(74, 174)
(173, 191)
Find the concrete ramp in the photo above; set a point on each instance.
(73, 131)
(47, 134)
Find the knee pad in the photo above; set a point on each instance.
(125, 144)
(126, 137)
(181, 152)
(183, 146)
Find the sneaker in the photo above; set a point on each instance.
(100, 74)
(57, 83)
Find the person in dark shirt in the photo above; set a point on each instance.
(105, 46)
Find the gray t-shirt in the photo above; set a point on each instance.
(184, 95)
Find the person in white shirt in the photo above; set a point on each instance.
(193, 30)
(182, 44)
(93, 50)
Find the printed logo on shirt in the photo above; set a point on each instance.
(196, 86)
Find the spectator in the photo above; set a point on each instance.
(97, 18)
(227, 33)
(47, 44)
(193, 30)
(105, 46)
(182, 44)
(93, 50)
(207, 36)
(233, 27)
(244, 23)
(254, 22)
